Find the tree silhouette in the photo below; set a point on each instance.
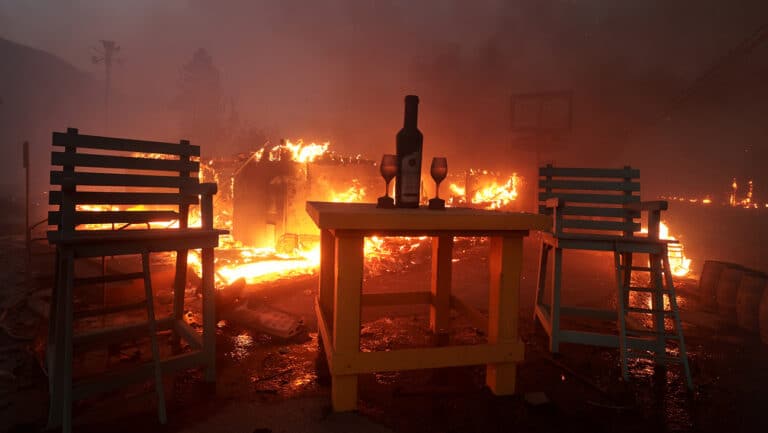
(200, 101)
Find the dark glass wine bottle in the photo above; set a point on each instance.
(409, 147)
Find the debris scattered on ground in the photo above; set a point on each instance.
(267, 320)
(576, 375)
(536, 398)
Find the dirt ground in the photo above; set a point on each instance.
(265, 384)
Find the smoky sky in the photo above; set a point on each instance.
(338, 69)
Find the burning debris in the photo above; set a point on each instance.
(486, 190)
(681, 265)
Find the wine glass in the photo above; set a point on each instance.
(438, 170)
(388, 169)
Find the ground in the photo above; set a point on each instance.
(265, 384)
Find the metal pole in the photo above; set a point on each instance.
(109, 47)
(27, 228)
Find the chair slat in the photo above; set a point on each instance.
(624, 173)
(111, 161)
(129, 180)
(108, 217)
(124, 198)
(591, 198)
(589, 185)
(601, 225)
(614, 212)
(123, 144)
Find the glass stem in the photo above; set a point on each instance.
(386, 189)
(437, 189)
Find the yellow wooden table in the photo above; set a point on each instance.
(343, 227)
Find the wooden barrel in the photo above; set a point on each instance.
(748, 297)
(710, 276)
(763, 317)
(726, 291)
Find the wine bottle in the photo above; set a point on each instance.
(409, 146)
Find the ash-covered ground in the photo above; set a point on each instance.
(267, 384)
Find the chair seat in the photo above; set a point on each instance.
(598, 242)
(610, 238)
(94, 243)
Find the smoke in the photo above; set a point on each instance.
(338, 70)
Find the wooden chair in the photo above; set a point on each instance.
(161, 179)
(600, 209)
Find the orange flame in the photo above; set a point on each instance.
(298, 152)
(354, 194)
(494, 195)
(680, 264)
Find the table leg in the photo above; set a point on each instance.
(327, 272)
(440, 308)
(346, 316)
(505, 265)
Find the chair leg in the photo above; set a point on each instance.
(542, 278)
(179, 285)
(554, 337)
(657, 304)
(627, 277)
(622, 272)
(161, 414)
(678, 326)
(54, 354)
(64, 370)
(209, 315)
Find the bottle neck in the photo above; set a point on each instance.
(411, 113)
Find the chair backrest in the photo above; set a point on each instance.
(591, 199)
(117, 182)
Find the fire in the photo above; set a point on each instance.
(256, 265)
(497, 196)
(354, 194)
(298, 152)
(457, 190)
(680, 264)
(494, 195)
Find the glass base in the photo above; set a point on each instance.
(386, 202)
(436, 203)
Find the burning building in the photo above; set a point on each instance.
(271, 187)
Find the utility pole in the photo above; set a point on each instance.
(27, 228)
(106, 55)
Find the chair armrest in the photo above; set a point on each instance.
(205, 189)
(554, 202)
(656, 205)
(554, 205)
(654, 209)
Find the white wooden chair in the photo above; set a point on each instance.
(99, 171)
(600, 209)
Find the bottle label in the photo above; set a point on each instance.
(409, 178)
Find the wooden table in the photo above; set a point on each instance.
(343, 227)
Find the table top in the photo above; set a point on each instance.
(367, 217)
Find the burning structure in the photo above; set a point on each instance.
(270, 188)
(262, 204)
(264, 192)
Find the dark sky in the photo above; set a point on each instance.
(338, 69)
